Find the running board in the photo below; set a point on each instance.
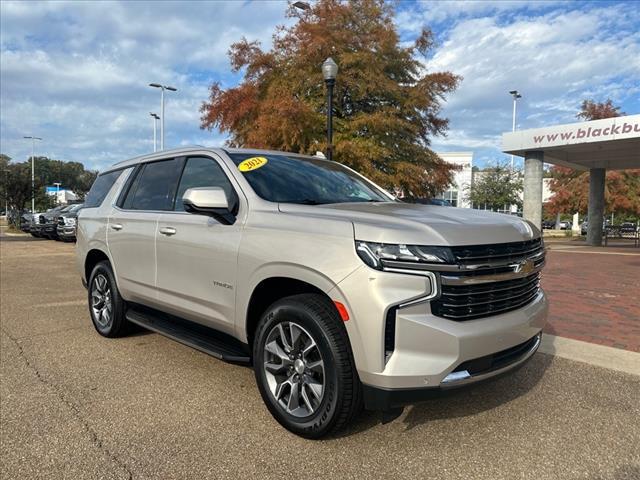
(194, 335)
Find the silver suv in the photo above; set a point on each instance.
(338, 294)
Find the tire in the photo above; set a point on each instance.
(103, 292)
(313, 320)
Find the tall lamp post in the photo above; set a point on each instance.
(516, 95)
(162, 89)
(33, 171)
(57, 185)
(329, 72)
(155, 128)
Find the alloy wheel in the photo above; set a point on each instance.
(101, 304)
(294, 369)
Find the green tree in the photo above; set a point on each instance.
(494, 188)
(386, 108)
(15, 186)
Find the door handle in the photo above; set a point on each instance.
(168, 231)
(116, 226)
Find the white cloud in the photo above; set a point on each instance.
(555, 60)
(76, 73)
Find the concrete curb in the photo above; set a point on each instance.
(599, 355)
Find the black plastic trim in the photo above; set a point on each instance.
(207, 340)
(386, 399)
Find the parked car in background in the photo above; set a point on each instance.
(49, 221)
(34, 224)
(25, 222)
(41, 224)
(628, 227)
(585, 226)
(430, 201)
(548, 224)
(66, 227)
(565, 225)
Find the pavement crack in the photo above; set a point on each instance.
(91, 433)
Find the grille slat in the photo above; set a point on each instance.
(470, 302)
(492, 298)
(514, 250)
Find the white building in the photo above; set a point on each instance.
(62, 197)
(457, 193)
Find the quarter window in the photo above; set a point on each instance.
(203, 172)
(100, 188)
(155, 186)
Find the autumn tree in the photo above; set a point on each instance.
(386, 108)
(571, 191)
(591, 110)
(495, 187)
(571, 187)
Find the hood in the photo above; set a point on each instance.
(396, 222)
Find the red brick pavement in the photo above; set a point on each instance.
(594, 297)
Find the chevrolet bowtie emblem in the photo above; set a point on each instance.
(525, 266)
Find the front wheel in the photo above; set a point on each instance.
(304, 366)
(106, 306)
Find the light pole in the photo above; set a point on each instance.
(302, 5)
(329, 72)
(57, 185)
(33, 171)
(516, 95)
(6, 193)
(155, 128)
(162, 89)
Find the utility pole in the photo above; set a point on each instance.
(155, 128)
(516, 95)
(162, 89)
(33, 171)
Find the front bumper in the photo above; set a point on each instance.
(48, 229)
(384, 399)
(66, 232)
(427, 349)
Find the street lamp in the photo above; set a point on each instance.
(516, 95)
(57, 185)
(155, 128)
(33, 171)
(162, 89)
(329, 72)
(302, 5)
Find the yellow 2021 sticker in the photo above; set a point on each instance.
(252, 163)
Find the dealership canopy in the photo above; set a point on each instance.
(597, 146)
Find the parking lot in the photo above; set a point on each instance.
(76, 405)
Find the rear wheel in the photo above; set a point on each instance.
(304, 366)
(106, 306)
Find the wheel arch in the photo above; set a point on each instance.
(93, 257)
(269, 291)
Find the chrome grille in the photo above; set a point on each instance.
(490, 279)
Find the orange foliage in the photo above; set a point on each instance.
(386, 105)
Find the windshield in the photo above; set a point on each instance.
(309, 181)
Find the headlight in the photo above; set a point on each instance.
(377, 254)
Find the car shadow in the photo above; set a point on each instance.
(464, 402)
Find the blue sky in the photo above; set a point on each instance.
(76, 73)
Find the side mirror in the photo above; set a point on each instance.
(210, 201)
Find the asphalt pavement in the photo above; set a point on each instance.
(76, 405)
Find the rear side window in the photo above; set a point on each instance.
(203, 172)
(155, 186)
(100, 188)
